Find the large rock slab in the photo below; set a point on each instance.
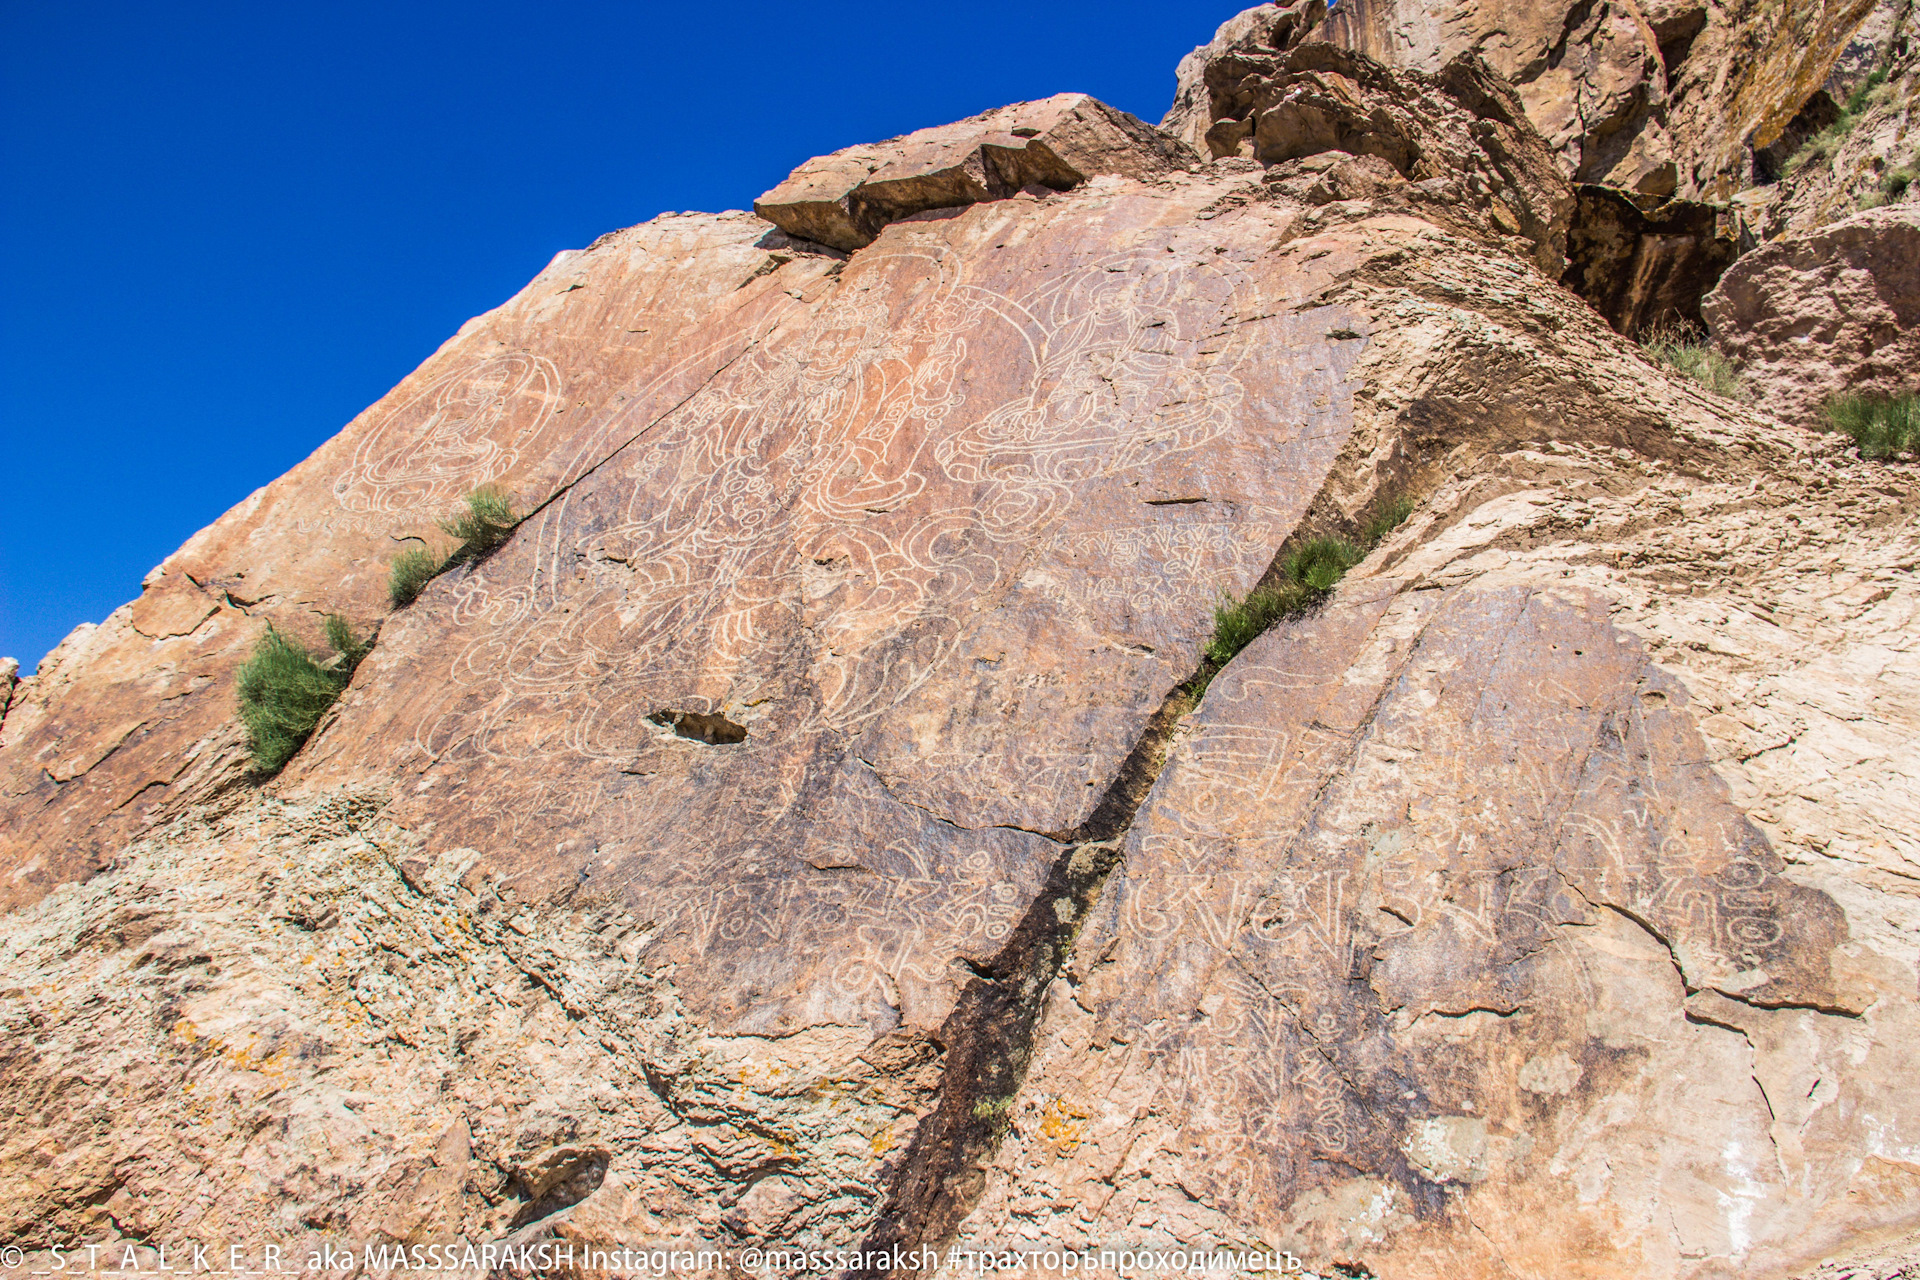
(935, 552)
(1825, 311)
(844, 199)
(128, 722)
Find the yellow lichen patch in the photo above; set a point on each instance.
(1063, 1126)
(882, 1142)
(760, 1073)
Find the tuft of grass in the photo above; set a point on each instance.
(347, 648)
(1307, 576)
(1320, 563)
(1685, 350)
(410, 573)
(1880, 425)
(1894, 183)
(1862, 97)
(1820, 148)
(284, 689)
(486, 523)
(1238, 623)
(1391, 517)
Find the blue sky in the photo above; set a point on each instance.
(225, 229)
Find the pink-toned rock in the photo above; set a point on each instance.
(844, 199)
(131, 721)
(1825, 311)
(810, 824)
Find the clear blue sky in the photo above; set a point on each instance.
(225, 229)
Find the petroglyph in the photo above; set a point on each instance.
(467, 428)
(820, 538)
(1379, 799)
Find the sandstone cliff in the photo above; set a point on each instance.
(816, 825)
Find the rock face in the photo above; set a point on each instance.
(1458, 136)
(1829, 167)
(814, 826)
(131, 722)
(1826, 311)
(1659, 98)
(844, 199)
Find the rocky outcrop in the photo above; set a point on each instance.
(1664, 97)
(844, 199)
(1826, 311)
(1589, 77)
(131, 722)
(1457, 140)
(815, 826)
(1646, 263)
(1855, 144)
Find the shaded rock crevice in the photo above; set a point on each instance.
(989, 1037)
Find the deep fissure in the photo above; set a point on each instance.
(989, 1036)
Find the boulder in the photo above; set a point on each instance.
(1824, 311)
(844, 199)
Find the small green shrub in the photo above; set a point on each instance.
(410, 573)
(486, 523)
(1308, 574)
(1391, 517)
(1894, 183)
(284, 689)
(1820, 148)
(1880, 425)
(1860, 98)
(1686, 351)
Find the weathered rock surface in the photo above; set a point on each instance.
(1458, 136)
(1660, 98)
(128, 723)
(1872, 159)
(1646, 263)
(802, 830)
(844, 199)
(1826, 311)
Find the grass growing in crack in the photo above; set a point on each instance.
(1686, 351)
(1307, 576)
(409, 575)
(1391, 517)
(1893, 185)
(1820, 148)
(481, 529)
(1880, 425)
(285, 688)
